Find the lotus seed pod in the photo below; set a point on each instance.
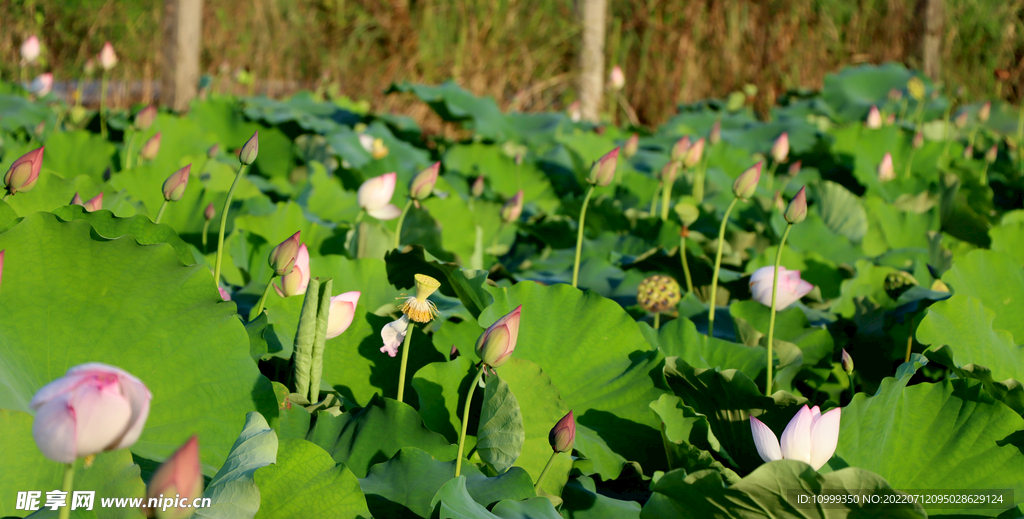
(658, 294)
(899, 282)
(417, 307)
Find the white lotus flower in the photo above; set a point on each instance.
(810, 437)
(393, 334)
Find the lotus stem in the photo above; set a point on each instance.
(657, 320)
(224, 224)
(771, 175)
(263, 298)
(103, 104)
(128, 151)
(771, 318)
(547, 467)
(405, 360)
(66, 486)
(910, 162)
(206, 229)
(698, 180)
(579, 238)
(686, 266)
(401, 219)
(465, 418)
(160, 213)
(910, 339)
(666, 198)
(718, 264)
(654, 198)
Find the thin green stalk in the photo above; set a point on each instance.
(910, 339)
(103, 104)
(494, 242)
(903, 110)
(984, 175)
(718, 264)
(666, 198)
(263, 298)
(654, 198)
(206, 229)
(686, 266)
(66, 486)
(8, 195)
(853, 390)
(579, 239)
(910, 162)
(547, 467)
(945, 131)
(657, 320)
(401, 218)
(128, 151)
(405, 361)
(771, 318)
(224, 224)
(698, 180)
(771, 175)
(465, 418)
(160, 213)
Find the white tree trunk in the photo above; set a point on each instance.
(931, 15)
(592, 19)
(182, 37)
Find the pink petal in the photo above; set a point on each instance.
(796, 439)
(341, 314)
(101, 415)
(824, 438)
(376, 192)
(765, 440)
(393, 334)
(388, 212)
(138, 396)
(54, 430)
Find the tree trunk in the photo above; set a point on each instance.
(931, 16)
(592, 19)
(182, 34)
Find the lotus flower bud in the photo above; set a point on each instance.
(107, 57)
(694, 154)
(847, 362)
(295, 282)
(342, 313)
(669, 172)
(658, 294)
(777, 201)
(563, 434)
(603, 171)
(794, 168)
(918, 140)
(174, 186)
(91, 409)
(916, 88)
(24, 172)
(496, 344)
(992, 154)
(985, 111)
(575, 113)
(477, 189)
(780, 148)
(251, 148)
(715, 136)
(631, 146)
(679, 149)
(151, 147)
(209, 212)
(513, 208)
(895, 95)
(746, 185)
(213, 151)
(181, 475)
(874, 120)
(41, 85)
(95, 203)
(375, 197)
(797, 210)
(961, 120)
(144, 119)
(422, 184)
(30, 49)
(90, 67)
(77, 200)
(890, 119)
(969, 152)
(282, 258)
(616, 79)
(885, 169)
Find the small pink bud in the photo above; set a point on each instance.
(874, 120)
(174, 186)
(890, 119)
(30, 49)
(209, 212)
(985, 111)
(575, 114)
(224, 294)
(282, 258)
(969, 152)
(895, 95)
(603, 171)
(797, 210)
(513, 208)
(616, 79)
(107, 57)
(961, 120)
(631, 146)
(496, 344)
(77, 200)
(780, 149)
(680, 148)
(794, 168)
(295, 282)
(95, 203)
(181, 475)
(694, 154)
(144, 119)
(715, 136)
(477, 190)
(24, 172)
(885, 169)
(423, 183)
(90, 67)
(847, 362)
(669, 172)
(746, 185)
(247, 155)
(992, 154)
(918, 140)
(563, 434)
(151, 147)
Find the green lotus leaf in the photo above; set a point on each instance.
(75, 153)
(232, 491)
(679, 338)
(688, 438)
(139, 227)
(500, 434)
(582, 501)
(305, 482)
(963, 323)
(1008, 236)
(500, 172)
(534, 508)
(454, 103)
(453, 501)
(995, 279)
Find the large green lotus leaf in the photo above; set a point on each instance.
(894, 229)
(963, 323)
(284, 222)
(79, 153)
(946, 435)
(53, 191)
(996, 279)
(453, 501)
(459, 226)
(222, 117)
(466, 284)
(442, 388)
(7, 216)
(1009, 391)
(366, 275)
(144, 187)
(139, 227)
(852, 91)
(842, 211)
(585, 343)
(364, 437)
(305, 482)
(19, 113)
(302, 109)
(791, 325)
(500, 433)
(688, 438)
(232, 491)
(1008, 236)
(863, 148)
(868, 283)
(136, 307)
(582, 501)
(814, 268)
(454, 103)
(501, 173)
(406, 484)
(533, 508)
(679, 338)
(328, 199)
(113, 474)
(770, 491)
(812, 235)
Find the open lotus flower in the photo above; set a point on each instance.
(810, 437)
(107, 57)
(92, 408)
(41, 85)
(393, 334)
(30, 49)
(375, 197)
(180, 475)
(791, 288)
(341, 314)
(295, 283)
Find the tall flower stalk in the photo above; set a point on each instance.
(107, 59)
(561, 438)
(743, 189)
(246, 156)
(602, 173)
(420, 188)
(421, 310)
(688, 213)
(795, 213)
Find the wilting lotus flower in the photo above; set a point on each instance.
(810, 437)
(563, 434)
(181, 475)
(295, 283)
(422, 184)
(24, 172)
(393, 334)
(30, 49)
(342, 312)
(694, 154)
(513, 208)
(144, 119)
(603, 171)
(151, 147)
(780, 148)
(616, 79)
(418, 307)
(92, 408)
(885, 169)
(631, 146)
(251, 148)
(874, 120)
(107, 57)
(375, 197)
(94, 204)
(791, 288)
(746, 184)
(174, 186)
(41, 85)
(496, 344)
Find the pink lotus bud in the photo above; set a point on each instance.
(575, 114)
(791, 288)
(810, 437)
(342, 312)
(496, 344)
(90, 67)
(992, 154)
(847, 362)
(41, 85)
(454, 354)
(961, 120)
(30, 49)
(91, 409)
(616, 79)
(780, 148)
(24, 173)
(95, 203)
(423, 183)
(797, 210)
(209, 212)
(777, 201)
(885, 169)
(985, 111)
(918, 140)
(477, 190)
(151, 147)
(251, 148)
(890, 119)
(874, 120)
(181, 475)
(746, 184)
(224, 294)
(895, 95)
(375, 197)
(295, 283)
(144, 119)
(563, 434)
(513, 208)
(694, 154)
(77, 200)
(969, 152)
(669, 172)
(794, 168)
(679, 149)
(282, 258)
(107, 57)
(715, 136)
(603, 171)
(631, 146)
(174, 186)
(213, 151)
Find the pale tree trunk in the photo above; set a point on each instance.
(182, 35)
(931, 15)
(592, 19)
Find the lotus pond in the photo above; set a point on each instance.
(512, 319)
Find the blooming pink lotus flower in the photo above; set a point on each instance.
(181, 475)
(41, 85)
(810, 437)
(496, 344)
(393, 334)
(375, 197)
(513, 208)
(107, 57)
(885, 169)
(616, 79)
(30, 49)
(791, 288)
(780, 148)
(874, 120)
(295, 283)
(92, 408)
(24, 172)
(342, 312)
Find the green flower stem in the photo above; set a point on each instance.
(401, 218)
(903, 109)
(160, 213)
(128, 151)
(698, 180)
(465, 419)
(910, 162)
(984, 175)
(910, 339)
(686, 266)
(771, 318)
(654, 198)
(494, 242)
(945, 129)
(405, 361)
(224, 223)
(579, 238)
(67, 486)
(718, 265)
(547, 467)
(657, 320)
(853, 390)
(666, 197)
(263, 298)
(6, 196)
(206, 229)
(771, 175)
(103, 104)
